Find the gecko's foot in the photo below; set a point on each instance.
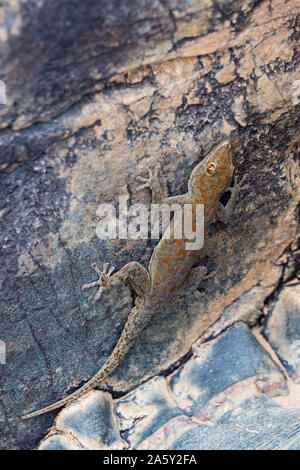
(208, 276)
(195, 291)
(239, 186)
(150, 181)
(197, 294)
(102, 281)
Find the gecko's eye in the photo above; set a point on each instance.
(211, 168)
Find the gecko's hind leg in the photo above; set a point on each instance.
(133, 272)
(102, 281)
(193, 279)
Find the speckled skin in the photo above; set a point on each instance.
(171, 273)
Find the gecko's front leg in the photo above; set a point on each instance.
(153, 183)
(158, 197)
(224, 213)
(133, 272)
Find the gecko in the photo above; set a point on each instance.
(172, 272)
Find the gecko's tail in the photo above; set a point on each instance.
(59, 404)
(136, 321)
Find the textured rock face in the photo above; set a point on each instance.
(213, 401)
(96, 96)
(283, 328)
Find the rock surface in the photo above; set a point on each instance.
(234, 356)
(214, 401)
(257, 424)
(283, 328)
(96, 96)
(92, 422)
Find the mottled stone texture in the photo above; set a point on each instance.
(98, 92)
(215, 400)
(257, 424)
(91, 422)
(282, 328)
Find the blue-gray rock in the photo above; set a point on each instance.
(92, 421)
(224, 409)
(59, 442)
(282, 328)
(256, 424)
(230, 358)
(145, 410)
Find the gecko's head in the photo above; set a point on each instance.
(212, 176)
